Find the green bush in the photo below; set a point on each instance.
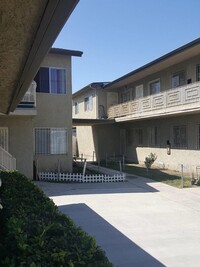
(34, 233)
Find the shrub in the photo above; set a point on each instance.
(34, 233)
(150, 160)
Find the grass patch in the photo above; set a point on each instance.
(172, 178)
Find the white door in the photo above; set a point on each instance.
(139, 91)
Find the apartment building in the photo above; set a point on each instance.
(38, 133)
(89, 113)
(155, 109)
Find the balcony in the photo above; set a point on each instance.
(27, 106)
(175, 101)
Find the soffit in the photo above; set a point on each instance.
(28, 30)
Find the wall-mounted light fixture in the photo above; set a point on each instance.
(168, 148)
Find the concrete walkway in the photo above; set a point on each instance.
(138, 223)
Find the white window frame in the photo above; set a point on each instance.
(154, 82)
(4, 138)
(55, 144)
(50, 85)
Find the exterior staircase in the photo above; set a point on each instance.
(7, 161)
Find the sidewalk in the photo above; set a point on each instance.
(138, 223)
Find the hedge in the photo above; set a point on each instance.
(34, 233)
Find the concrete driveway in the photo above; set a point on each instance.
(138, 222)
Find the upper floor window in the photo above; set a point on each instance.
(88, 103)
(76, 107)
(125, 97)
(180, 136)
(51, 80)
(198, 72)
(50, 141)
(154, 87)
(178, 79)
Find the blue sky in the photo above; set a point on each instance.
(118, 36)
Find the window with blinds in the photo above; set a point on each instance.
(50, 141)
(154, 87)
(51, 80)
(178, 79)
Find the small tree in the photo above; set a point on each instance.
(150, 160)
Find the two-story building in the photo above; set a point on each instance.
(89, 105)
(39, 131)
(156, 109)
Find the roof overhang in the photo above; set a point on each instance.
(28, 30)
(91, 122)
(183, 53)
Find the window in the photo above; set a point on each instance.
(139, 137)
(154, 87)
(125, 97)
(4, 138)
(178, 79)
(50, 141)
(198, 72)
(51, 80)
(180, 136)
(88, 103)
(154, 136)
(76, 108)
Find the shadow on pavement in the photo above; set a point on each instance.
(60, 189)
(120, 250)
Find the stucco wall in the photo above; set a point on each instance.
(86, 142)
(188, 156)
(188, 66)
(80, 99)
(55, 111)
(20, 141)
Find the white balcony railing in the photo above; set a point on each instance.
(183, 98)
(7, 161)
(29, 99)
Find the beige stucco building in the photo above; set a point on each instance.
(38, 133)
(155, 108)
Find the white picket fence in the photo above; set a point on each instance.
(80, 178)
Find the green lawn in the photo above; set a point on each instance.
(172, 178)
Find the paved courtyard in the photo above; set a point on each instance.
(138, 222)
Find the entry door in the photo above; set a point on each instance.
(123, 142)
(139, 91)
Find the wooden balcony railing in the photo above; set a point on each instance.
(178, 99)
